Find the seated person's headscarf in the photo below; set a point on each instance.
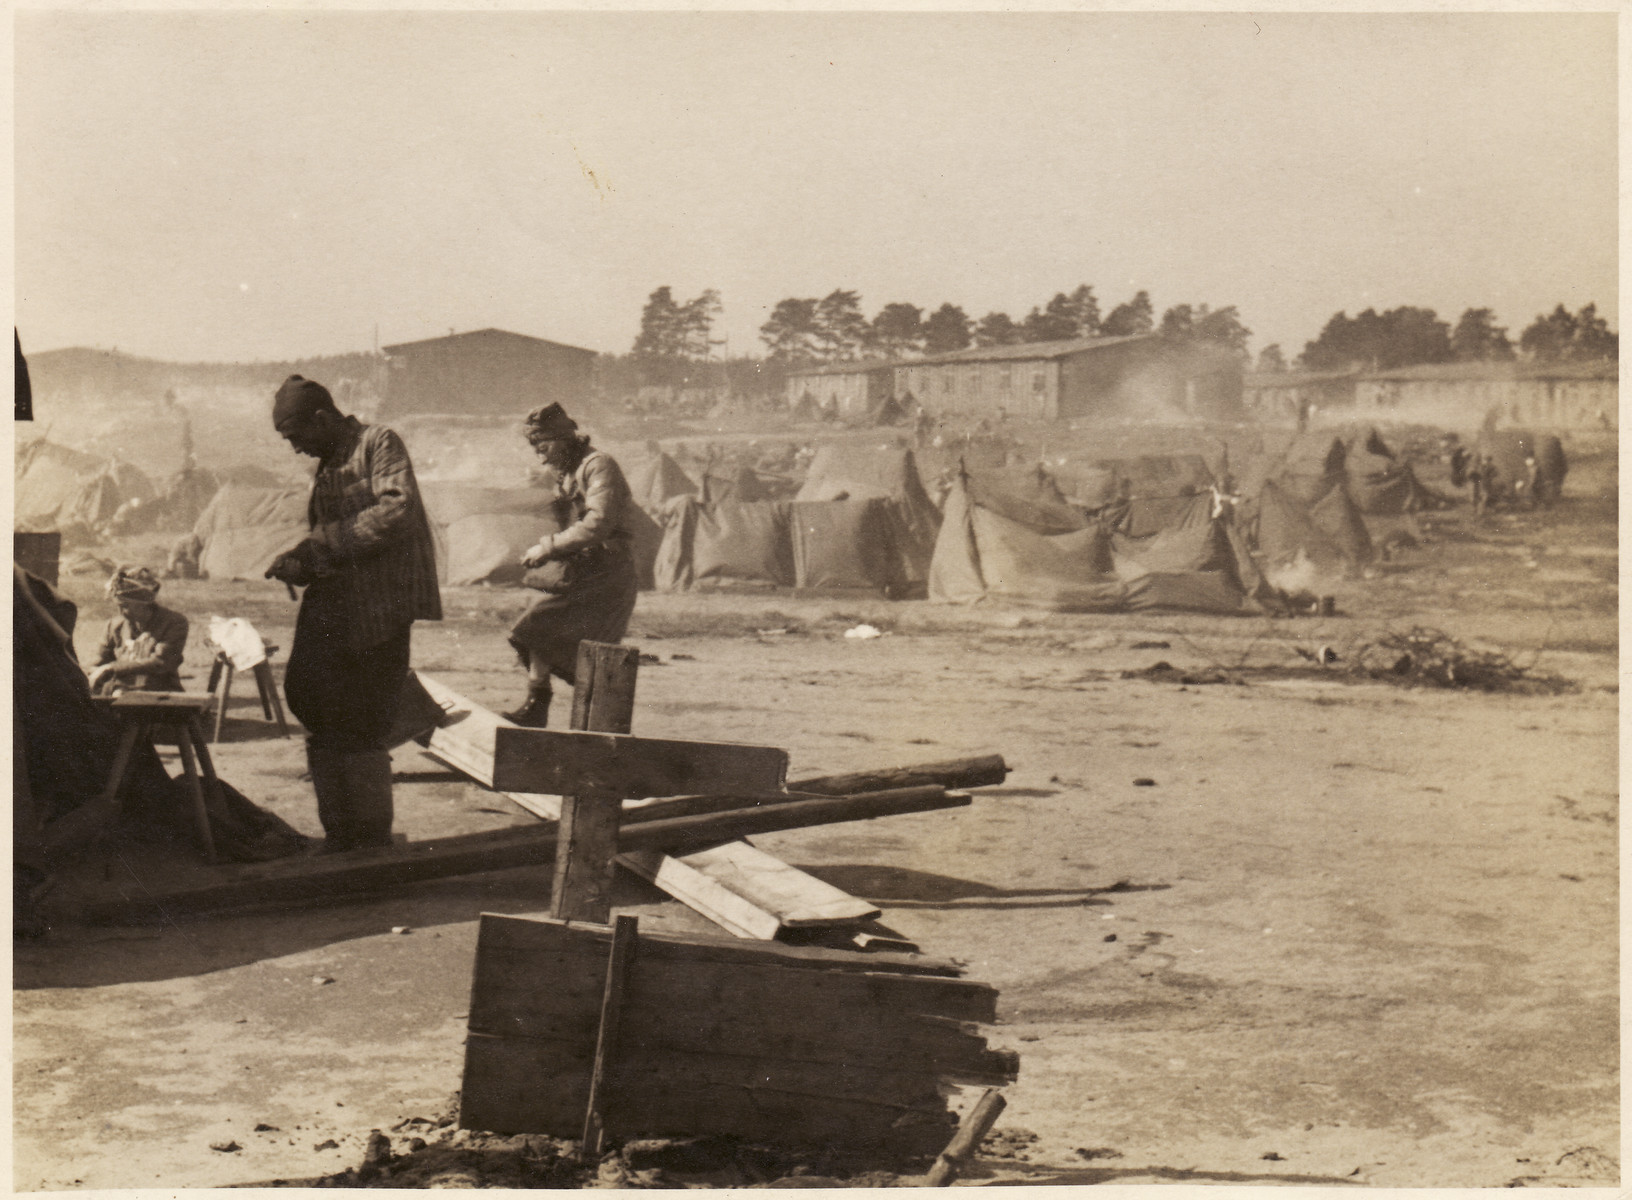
(549, 422)
(133, 583)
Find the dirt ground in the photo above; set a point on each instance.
(1351, 933)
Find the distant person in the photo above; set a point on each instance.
(369, 570)
(587, 569)
(142, 647)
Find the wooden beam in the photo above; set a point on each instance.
(625, 939)
(326, 876)
(796, 899)
(553, 760)
(981, 771)
(971, 1130)
(603, 700)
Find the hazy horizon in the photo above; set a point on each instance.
(231, 187)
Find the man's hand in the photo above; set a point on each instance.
(291, 568)
(100, 675)
(537, 556)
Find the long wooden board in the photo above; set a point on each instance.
(327, 876)
(791, 897)
(561, 760)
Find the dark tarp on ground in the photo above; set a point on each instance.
(243, 529)
(69, 744)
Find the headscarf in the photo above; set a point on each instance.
(133, 583)
(549, 422)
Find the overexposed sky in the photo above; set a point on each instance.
(221, 186)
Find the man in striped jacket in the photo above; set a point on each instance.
(369, 570)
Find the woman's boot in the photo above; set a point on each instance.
(536, 711)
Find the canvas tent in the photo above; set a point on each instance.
(1298, 543)
(1380, 482)
(887, 473)
(1025, 551)
(243, 529)
(57, 488)
(657, 480)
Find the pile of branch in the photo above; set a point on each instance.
(1433, 658)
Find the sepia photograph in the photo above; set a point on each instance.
(581, 575)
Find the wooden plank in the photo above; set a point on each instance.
(604, 695)
(555, 760)
(464, 741)
(703, 895)
(980, 771)
(522, 933)
(331, 875)
(795, 898)
(603, 701)
(625, 938)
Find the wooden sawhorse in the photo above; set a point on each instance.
(139, 715)
(221, 672)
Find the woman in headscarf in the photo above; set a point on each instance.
(142, 647)
(591, 584)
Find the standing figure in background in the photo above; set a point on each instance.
(369, 570)
(587, 570)
(142, 647)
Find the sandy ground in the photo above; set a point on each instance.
(1354, 934)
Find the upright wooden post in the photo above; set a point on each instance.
(603, 701)
(625, 936)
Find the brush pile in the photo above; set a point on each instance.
(1433, 658)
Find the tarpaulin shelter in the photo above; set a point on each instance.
(1511, 452)
(1154, 490)
(886, 473)
(243, 529)
(1022, 550)
(1380, 482)
(656, 480)
(850, 544)
(1328, 539)
(100, 496)
(47, 478)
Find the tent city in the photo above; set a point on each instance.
(676, 599)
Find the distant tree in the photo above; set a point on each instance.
(898, 330)
(1182, 324)
(696, 326)
(1064, 319)
(1135, 316)
(674, 334)
(1400, 337)
(790, 335)
(947, 329)
(1270, 360)
(841, 330)
(1561, 337)
(1477, 338)
(997, 329)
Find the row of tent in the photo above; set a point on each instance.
(1148, 532)
(87, 497)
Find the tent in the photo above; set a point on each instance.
(1510, 451)
(1021, 550)
(887, 473)
(657, 480)
(100, 496)
(243, 529)
(739, 484)
(1380, 482)
(815, 544)
(1298, 543)
(1154, 490)
(48, 478)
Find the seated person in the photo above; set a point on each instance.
(142, 648)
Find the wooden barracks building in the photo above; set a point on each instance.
(1086, 377)
(489, 371)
